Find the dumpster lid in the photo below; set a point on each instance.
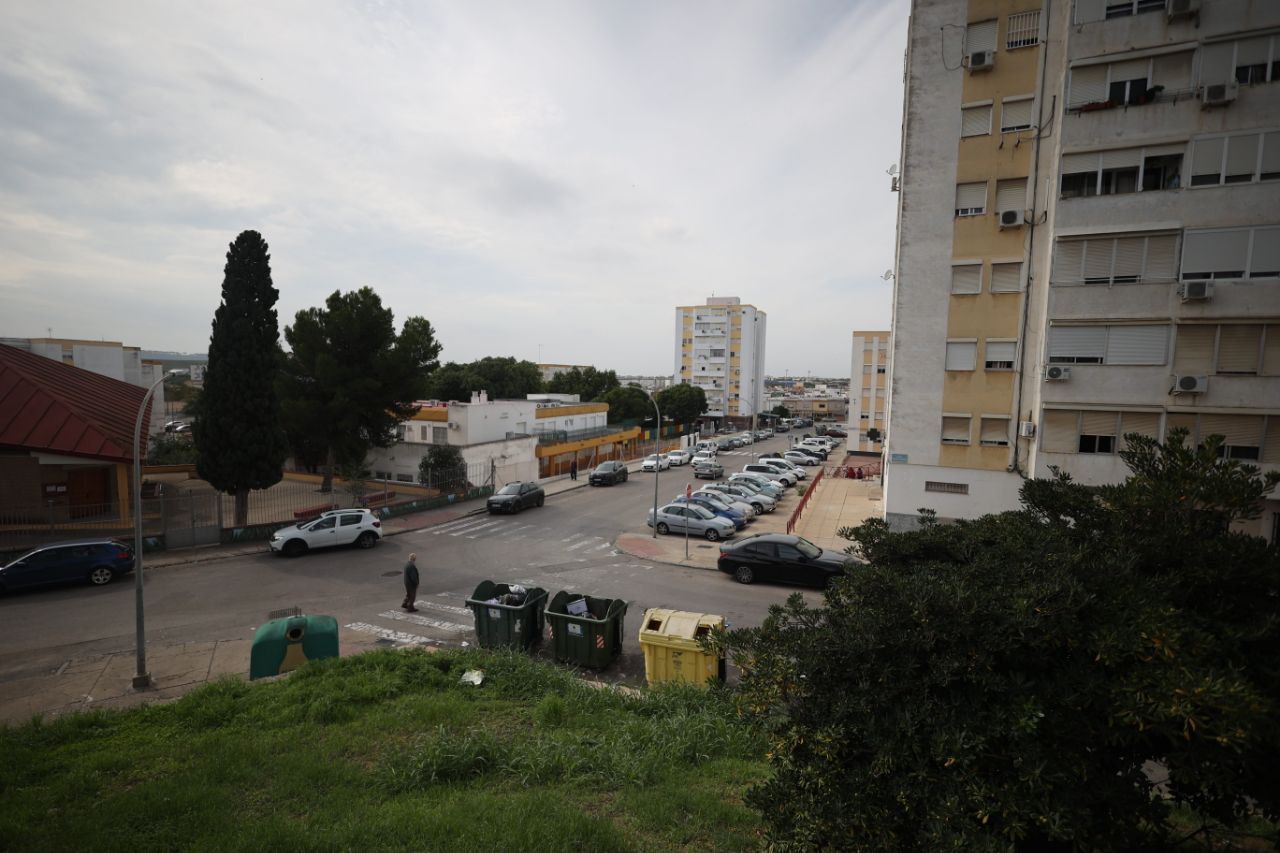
(680, 623)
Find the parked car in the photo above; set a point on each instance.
(782, 428)
(779, 464)
(707, 470)
(513, 497)
(708, 447)
(738, 520)
(747, 438)
(337, 527)
(762, 434)
(679, 457)
(703, 457)
(608, 473)
(94, 560)
(697, 521)
(798, 458)
(733, 502)
(758, 500)
(816, 452)
(655, 462)
(770, 487)
(786, 478)
(836, 432)
(781, 558)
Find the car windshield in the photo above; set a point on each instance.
(701, 512)
(652, 456)
(510, 489)
(804, 546)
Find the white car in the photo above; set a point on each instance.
(679, 457)
(654, 462)
(335, 527)
(784, 465)
(797, 458)
(703, 458)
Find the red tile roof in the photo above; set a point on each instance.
(51, 407)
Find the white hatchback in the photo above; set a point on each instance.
(336, 527)
(679, 457)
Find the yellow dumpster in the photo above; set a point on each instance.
(670, 638)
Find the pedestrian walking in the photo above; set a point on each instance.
(410, 584)
(573, 468)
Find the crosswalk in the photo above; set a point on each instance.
(577, 545)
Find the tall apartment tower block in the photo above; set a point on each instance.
(720, 349)
(868, 389)
(1088, 243)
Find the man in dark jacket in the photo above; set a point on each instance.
(410, 584)
(573, 469)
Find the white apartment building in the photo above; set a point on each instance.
(720, 348)
(1134, 284)
(868, 389)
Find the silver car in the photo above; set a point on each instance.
(732, 501)
(674, 518)
(758, 501)
(784, 465)
(784, 477)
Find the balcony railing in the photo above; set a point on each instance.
(561, 436)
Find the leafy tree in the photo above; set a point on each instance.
(873, 435)
(683, 402)
(237, 421)
(628, 403)
(169, 448)
(502, 378)
(350, 379)
(781, 411)
(442, 467)
(587, 382)
(356, 475)
(1007, 683)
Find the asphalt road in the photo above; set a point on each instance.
(566, 544)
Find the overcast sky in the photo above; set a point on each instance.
(538, 179)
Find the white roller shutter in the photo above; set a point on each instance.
(1088, 85)
(1076, 342)
(1236, 430)
(1016, 114)
(1137, 344)
(1214, 251)
(1181, 420)
(1193, 352)
(1142, 423)
(975, 121)
(1271, 155)
(961, 355)
(1252, 51)
(1271, 352)
(1060, 431)
(1011, 195)
(1006, 278)
(1206, 160)
(1121, 158)
(1242, 157)
(955, 430)
(980, 36)
(1001, 351)
(1265, 262)
(971, 196)
(1162, 258)
(1098, 423)
(994, 432)
(1173, 71)
(1134, 69)
(1075, 163)
(966, 278)
(1271, 443)
(1098, 254)
(1068, 260)
(1216, 63)
(1130, 252)
(1239, 348)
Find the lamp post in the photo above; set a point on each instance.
(657, 462)
(142, 678)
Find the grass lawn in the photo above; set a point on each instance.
(388, 750)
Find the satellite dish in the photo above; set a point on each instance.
(888, 274)
(892, 170)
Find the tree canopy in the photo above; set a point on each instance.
(503, 379)
(587, 382)
(628, 403)
(350, 379)
(443, 467)
(682, 402)
(236, 427)
(1011, 682)
(781, 411)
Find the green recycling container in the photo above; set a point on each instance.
(592, 638)
(503, 623)
(281, 645)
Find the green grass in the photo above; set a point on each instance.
(388, 750)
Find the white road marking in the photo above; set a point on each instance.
(573, 537)
(425, 621)
(456, 525)
(510, 530)
(577, 545)
(447, 608)
(601, 547)
(474, 529)
(387, 633)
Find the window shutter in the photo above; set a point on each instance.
(955, 430)
(995, 431)
(1173, 71)
(1059, 431)
(1006, 278)
(975, 121)
(1137, 344)
(1011, 195)
(1134, 69)
(1242, 155)
(1098, 423)
(1238, 348)
(1266, 253)
(1077, 342)
(1016, 113)
(1214, 251)
(1236, 430)
(1271, 154)
(1002, 350)
(1271, 443)
(1143, 423)
(981, 36)
(1271, 351)
(1206, 157)
(1130, 252)
(1252, 51)
(1215, 63)
(1088, 85)
(1074, 163)
(1164, 150)
(1068, 258)
(961, 355)
(1193, 353)
(1097, 258)
(1162, 257)
(1186, 421)
(966, 278)
(971, 196)
(1122, 157)
(1089, 10)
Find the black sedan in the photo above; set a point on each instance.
(781, 558)
(514, 497)
(608, 473)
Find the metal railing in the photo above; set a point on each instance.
(804, 500)
(561, 436)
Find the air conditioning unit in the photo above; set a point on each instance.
(453, 425)
(1219, 94)
(1026, 429)
(1195, 290)
(1182, 8)
(1011, 218)
(1190, 385)
(982, 60)
(1057, 373)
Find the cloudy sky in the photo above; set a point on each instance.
(537, 178)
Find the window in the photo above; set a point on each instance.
(880, 370)
(1015, 114)
(1126, 8)
(1240, 159)
(955, 429)
(971, 199)
(1116, 260)
(1241, 349)
(1226, 253)
(439, 435)
(1132, 82)
(1023, 30)
(1124, 170)
(975, 120)
(961, 355)
(1088, 431)
(995, 431)
(1000, 355)
(350, 520)
(1011, 195)
(423, 433)
(1119, 345)
(980, 36)
(966, 278)
(946, 488)
(1243, 436)
(1006, 278)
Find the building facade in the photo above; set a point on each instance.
(1110, 263)
(868, 390)
(720, 348)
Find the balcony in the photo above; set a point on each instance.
(563, 436)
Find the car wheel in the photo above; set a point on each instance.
(294, 548)
(541, 500)
(100, 575)
(663, 529)
(367, 540)
(712, 535)
(759, 508)
(743, 574)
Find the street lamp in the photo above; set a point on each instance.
(657, 461)
(142, 678)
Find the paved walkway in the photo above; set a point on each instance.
(105, 681)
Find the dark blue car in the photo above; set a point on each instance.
(96, 561)
(736, 517)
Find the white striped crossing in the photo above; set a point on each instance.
(387, 634)
(446, 608)
(425, 621)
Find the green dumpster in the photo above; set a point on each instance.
(586, 630)
(281, 645)
(505, 617)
